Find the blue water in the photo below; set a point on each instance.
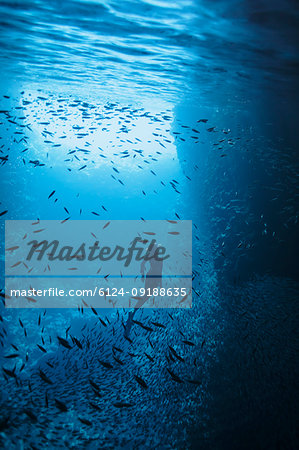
(195, 104)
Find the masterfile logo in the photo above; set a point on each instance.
(52, 251)
(51, 263)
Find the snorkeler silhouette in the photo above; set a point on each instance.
(152, 279)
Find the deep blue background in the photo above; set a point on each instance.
(137, 76)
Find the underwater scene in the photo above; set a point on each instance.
(166, 110)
